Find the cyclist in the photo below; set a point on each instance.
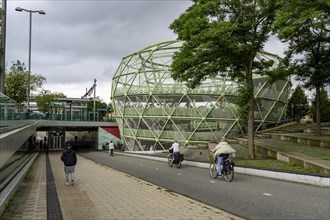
(221, 152)
(176, 149)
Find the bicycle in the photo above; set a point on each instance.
(177, 160)
(227, 169)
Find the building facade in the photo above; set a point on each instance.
(152, 110)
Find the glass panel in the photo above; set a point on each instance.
(170, 110)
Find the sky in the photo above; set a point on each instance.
(77, 41)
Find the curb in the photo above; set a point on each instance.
(291, 177)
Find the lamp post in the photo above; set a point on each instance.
(29, 70)
(94, 86)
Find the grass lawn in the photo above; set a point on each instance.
(242, 159)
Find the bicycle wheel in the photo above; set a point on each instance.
(228, 173)
(213, 170)
(178, 164)
(170, 160)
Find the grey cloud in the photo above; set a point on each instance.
(77, 41)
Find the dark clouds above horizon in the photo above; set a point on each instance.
(79, 40)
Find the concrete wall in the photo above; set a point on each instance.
(12, 140)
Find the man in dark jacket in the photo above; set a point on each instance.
(69, 159)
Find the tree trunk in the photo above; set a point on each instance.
(250, 114)
(318, 111)
(251, 128)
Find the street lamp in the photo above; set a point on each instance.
(29, 70)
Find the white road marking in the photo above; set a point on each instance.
(267, 194)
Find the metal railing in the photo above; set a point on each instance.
(11, 110)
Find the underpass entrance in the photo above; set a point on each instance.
(57, 138)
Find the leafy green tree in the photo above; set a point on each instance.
(99, 104)
(298, 104)
(325, 110)
(45, 98)
(16, 86)
(16, 83)
(224, 36)
(110, 107)
(304, 27)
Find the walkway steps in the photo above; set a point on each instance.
(324, 131)
(299, 159)
(306, 139)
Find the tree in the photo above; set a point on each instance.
(16, 83)
(298, 104)
(99, 104)
(304, 26)
(324, 111)
(16, 86)
(45, 98)
(224, 36)
(110, 107)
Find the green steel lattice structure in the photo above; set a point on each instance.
(152, 110)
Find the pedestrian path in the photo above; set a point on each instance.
(100, 192)
(30, 200)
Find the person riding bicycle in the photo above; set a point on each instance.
(221, 152)
(176, 149)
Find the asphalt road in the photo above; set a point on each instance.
(247, 196)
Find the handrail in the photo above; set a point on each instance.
(10, 110)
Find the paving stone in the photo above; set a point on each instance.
(103, 193)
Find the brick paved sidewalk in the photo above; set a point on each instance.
(30, 201)
(103, 193)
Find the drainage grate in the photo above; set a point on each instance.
(53, 206)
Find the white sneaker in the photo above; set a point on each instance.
(67, 183)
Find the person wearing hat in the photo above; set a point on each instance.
(69, 159)
(221, 152)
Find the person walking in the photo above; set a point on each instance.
(45, 143)
(69, 159)
(111, 148)
(221, 152)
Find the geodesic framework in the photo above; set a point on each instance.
(152, 110)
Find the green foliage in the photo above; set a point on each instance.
(263, 161)
(223, 36)
(272, 164)
(16, 86)
(110, 107)
(281, 72)
(99, 104)
(16, 82)
(45, 98)
(298, 104)
(304, 27)
(325, 106)
(219, 36)
(242, 102)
